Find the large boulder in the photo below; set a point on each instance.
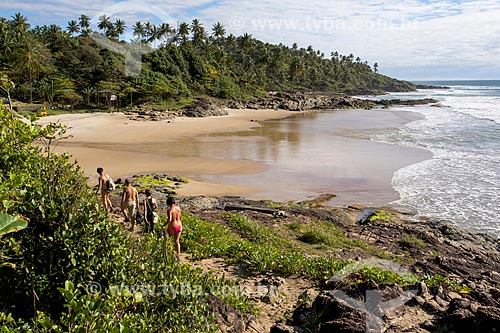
(204, 107)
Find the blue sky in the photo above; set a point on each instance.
(413, 40)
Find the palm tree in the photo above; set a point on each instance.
(105, 24)
(231, 41)
(139, 30)
(7, 44)
(73, 27)
(119, 27)
(218, 30)
(84, 22)
(183, 31)
(199, 36)
(30, 58)
(195, 26)
(19, 23)
(153, 35)
(176, 38)
(148, 26)
(245, 41)
(88, 91)
(166, 32)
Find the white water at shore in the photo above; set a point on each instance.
(462, 181)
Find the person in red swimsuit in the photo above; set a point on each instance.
(174, 226)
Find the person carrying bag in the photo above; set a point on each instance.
(150, 214)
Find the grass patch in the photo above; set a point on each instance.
(143, 182)
(313, 237)
(436, 280)
(295, 226)
(326, 233)
(380, 216)
(260, 249)
(256, 247)
(411, 241)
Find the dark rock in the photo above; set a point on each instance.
(231, 319)
(344, 325)
(425, 86)
(433, 307)
(390, 102)
(204, 107)
(301, 313)
(458, 303)
(334, 315)
(461, 320)
(488, 318)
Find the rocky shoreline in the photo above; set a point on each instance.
(298, 101)
(422, 247)
(458, 289)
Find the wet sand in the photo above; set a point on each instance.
(239, 154)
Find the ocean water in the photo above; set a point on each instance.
(461, 183)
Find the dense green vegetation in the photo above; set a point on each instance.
(52, 65)
(69, 244)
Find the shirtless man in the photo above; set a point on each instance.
(103, 179)
(174, 226)
(130, 202)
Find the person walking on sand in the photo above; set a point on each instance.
(103, 189)
(130, 202)
(174, 226)
(150, 207)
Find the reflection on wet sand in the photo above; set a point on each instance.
(288, 159)
(311, 154)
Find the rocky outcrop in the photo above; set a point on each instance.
(204, 107)
(312, 101)
(298, 101)
(151, 115)
(391, 102)
(302, 102)
(425, 86)
(231, 320)
(330, 314)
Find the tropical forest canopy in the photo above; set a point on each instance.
(53, 64)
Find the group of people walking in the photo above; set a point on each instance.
(130, 207)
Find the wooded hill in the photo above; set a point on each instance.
(50, 64)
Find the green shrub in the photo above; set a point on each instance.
(67, 238)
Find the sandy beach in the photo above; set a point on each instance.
(225, 156)
(121, 146)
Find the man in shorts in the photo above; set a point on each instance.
(130, 202)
